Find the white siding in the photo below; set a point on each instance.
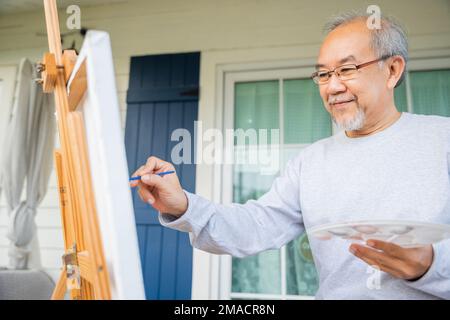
(232, 31)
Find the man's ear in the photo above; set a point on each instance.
(396, 66)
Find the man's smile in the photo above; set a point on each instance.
(340, 104)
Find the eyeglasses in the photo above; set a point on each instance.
(344, 72)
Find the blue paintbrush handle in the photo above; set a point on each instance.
(159, 174)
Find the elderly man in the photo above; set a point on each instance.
(384, 164)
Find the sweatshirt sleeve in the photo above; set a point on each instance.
(437, 279)
(244, 229)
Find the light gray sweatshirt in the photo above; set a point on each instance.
(401, 172)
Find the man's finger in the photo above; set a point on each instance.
(154, 164)
(380, 257)
(134, 183)
(380, 266)
(153, 180)
(391, 249)
(145, 194)
(138, 171)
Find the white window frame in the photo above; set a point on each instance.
(223, 174)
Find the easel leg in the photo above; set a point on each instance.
(67, 226)
(60, 288)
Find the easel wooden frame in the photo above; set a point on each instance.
(84, 269)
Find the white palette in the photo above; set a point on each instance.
(404, 233)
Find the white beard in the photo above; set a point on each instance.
(356, 123)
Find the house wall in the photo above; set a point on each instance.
(227, 33)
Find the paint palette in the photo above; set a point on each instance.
(407, 234)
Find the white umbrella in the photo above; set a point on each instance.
(28, 155)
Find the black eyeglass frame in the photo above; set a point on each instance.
(314, 76)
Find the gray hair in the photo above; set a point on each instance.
(389, 40)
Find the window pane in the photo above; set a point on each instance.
(305, 117)
(400, 98)
(256, 105)
(249, 185)
(431, 92)
(257, 274)
(301, 275)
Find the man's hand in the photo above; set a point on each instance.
(403, 263)
(164, 193)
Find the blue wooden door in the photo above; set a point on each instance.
(162, 96)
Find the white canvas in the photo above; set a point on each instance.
(109, 169)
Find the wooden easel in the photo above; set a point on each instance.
(84, 269)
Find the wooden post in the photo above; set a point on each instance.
(84, 270)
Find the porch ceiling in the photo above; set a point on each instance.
(19, 6)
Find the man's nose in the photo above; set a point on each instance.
(335, 85)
